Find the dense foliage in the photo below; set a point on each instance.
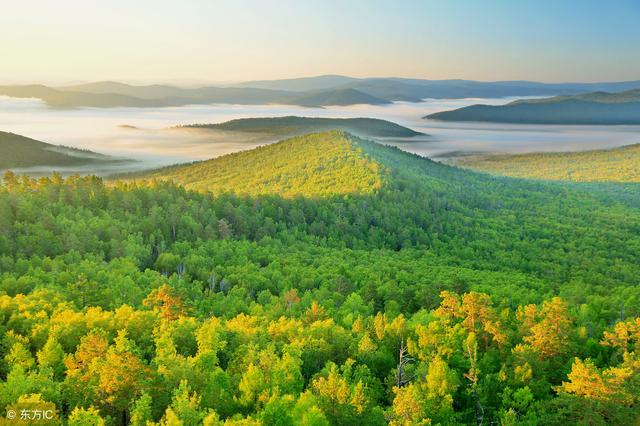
(612, 165)
(443, 297)
(312, 165)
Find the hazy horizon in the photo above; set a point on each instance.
(188, 82)
(219, 42)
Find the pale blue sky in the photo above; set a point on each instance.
(218, 40)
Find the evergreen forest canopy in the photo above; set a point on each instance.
(424, 294)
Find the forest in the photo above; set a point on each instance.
(315, 165)
(293, 125)
(610, 165)
(383, 289)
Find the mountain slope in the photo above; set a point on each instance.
(292, 125)
(590, 108)
(315, 165)
(18, 151)
(612, 165)
(412, 90)
(69, 99)
(114, 94)
(147, 92)
(337, 97)
(600, 97)
(303, 84)
(358, 193)
(179, 95)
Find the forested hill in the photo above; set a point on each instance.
(589, 108)
(292, 125)
(429, 295)
(19, 151)
(606, 165)
(313, 165)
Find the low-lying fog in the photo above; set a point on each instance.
(141, 133)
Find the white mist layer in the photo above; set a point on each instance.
(148, 140)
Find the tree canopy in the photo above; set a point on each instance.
(434, 295)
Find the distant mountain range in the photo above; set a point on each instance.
(337, 97)
(588, 108)
(19, 151)
(290, 126)
(312, 91)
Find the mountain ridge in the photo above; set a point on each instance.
(293, 125)
(313, 165)
(306, 91)
(343, 97)
(586, 108)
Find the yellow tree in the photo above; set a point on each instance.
(449, 308)
(164, 300)
(440, 385)
(339, 399)
(408, 408)
(420, 403)
(546, 328)
(111, 375)
(81, 380)
(623, 335)
(398, 327)
(85, 417)
(480, 317)
(121, 374)
(380, 325)
(315, 312)
(586, 381)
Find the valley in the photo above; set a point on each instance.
(147, 135)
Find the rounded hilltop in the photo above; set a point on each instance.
(313, 165)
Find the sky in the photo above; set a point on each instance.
(237, 40)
